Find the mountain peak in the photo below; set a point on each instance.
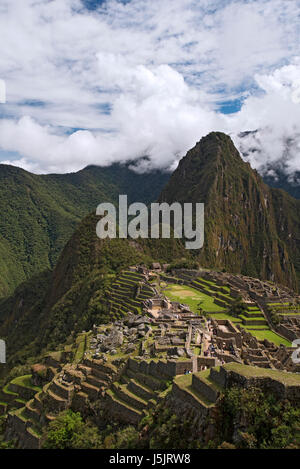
(216, 146)
(213, 157)
(242, 228)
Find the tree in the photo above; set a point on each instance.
(69, 431)
(238, 307)
(250, 418)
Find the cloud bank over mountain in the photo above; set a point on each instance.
(118, 80)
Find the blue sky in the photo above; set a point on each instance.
(91, 82)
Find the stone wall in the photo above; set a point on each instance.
(25, 393)
(233, 332)
(219, 377)
(187, 398)
(208, 391)
(267, 384)
(205, 361)
(18, 429)
(120, 412)
(286, 332)
(228, 357)
(160, 369)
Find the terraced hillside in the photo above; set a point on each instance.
(14, 395)
(285, 309)
(125, 371)
(127, 293)
(220, 301)
(135, 393)
(203, 389)
(153, 354)
(15, 398)
(22, 400)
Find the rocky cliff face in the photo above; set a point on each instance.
(249, 227)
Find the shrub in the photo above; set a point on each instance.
(69, 431)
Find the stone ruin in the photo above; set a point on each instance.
(128, 365)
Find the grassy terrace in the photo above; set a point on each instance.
(269, 335)
(291, 379)
(254, 317)
(191, 297)
(7, 391)
(21, 414)
(226, 316)
(25, 381)
(213, 287)
(258, 327)
(291, 313)
(116, 398)
(11, 400)
(274, 305)
(81, 343)
(205, 377)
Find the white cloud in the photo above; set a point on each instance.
(143, 78)
(147, 114)
(276, 115)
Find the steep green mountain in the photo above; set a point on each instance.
(40, 212)
(249, 227)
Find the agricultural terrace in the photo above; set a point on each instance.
(191, 297)
(253, 321)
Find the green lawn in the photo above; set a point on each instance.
(191, 297)
(271, 336)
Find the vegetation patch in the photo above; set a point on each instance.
(192, 297)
